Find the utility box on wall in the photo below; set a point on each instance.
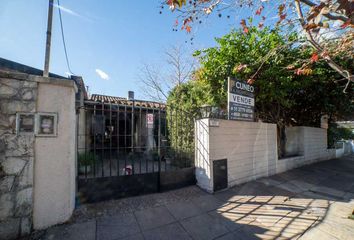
(25, 123)
(220, 174)
(46, 124)
(39, 124)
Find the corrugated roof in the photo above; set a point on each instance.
(125, 102)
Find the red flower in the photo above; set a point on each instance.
(314, 57)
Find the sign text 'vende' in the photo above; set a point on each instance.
(240, 100)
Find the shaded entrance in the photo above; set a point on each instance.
(132, 147)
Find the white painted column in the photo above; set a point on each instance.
(203, 164)
(54, 166)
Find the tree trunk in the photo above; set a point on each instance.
(281, 140)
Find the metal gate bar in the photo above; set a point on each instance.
(117, 141)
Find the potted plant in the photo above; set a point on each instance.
(86, 160)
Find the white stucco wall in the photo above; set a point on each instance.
(251, 150)
(343, 148)
(249, 147)
(294, 136)
(203, 168)
(54, 167)
(312, 143)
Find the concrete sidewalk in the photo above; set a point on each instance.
(311, 202)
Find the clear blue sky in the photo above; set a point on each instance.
(113, 36)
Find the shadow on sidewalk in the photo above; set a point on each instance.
(283, 206)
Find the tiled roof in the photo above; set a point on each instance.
(125, 102)
(104, 98)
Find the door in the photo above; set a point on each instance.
(220, 174)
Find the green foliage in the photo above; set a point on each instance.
(258, 47)
(183, 107)
(190, 96)
(336, 133)
(86, 159)
(290, 89)
(269, 59)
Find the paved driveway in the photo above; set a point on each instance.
(311, 202)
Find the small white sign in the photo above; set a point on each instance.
(214, 122)
(243, 100)
(150, 120)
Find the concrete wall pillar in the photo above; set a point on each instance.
(37, 173)
(55, 168)
(249, 147)
(203, 165)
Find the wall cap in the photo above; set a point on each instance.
(39, 79)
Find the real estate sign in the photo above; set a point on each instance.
(240, 100)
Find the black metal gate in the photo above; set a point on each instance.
(132, 148)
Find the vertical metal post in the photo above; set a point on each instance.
(165, 137)
(125, 138)
(185, 137)
(228, 94)
(132, 127)
(171, 134)
(176, 136)
(159, 149)
(110, 139)
(139, 136)
(153, 139)
(103, 136)
(84, 135)
(180, 134)
(77, 137)
(49, 39)
(146, 137)
(94, 139)
(118, 164)
(159, 136)
(132, 137)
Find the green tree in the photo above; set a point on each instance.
(336, 133)
(326, 25)
(288, 91)
(182, 109)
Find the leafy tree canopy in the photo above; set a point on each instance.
(272, 63)
(336, 133)
(327, 25)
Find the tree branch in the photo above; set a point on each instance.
(339, 17)
(314, 44)
(157, 85)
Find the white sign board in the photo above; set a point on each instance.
(243, 100)
(150, 120)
